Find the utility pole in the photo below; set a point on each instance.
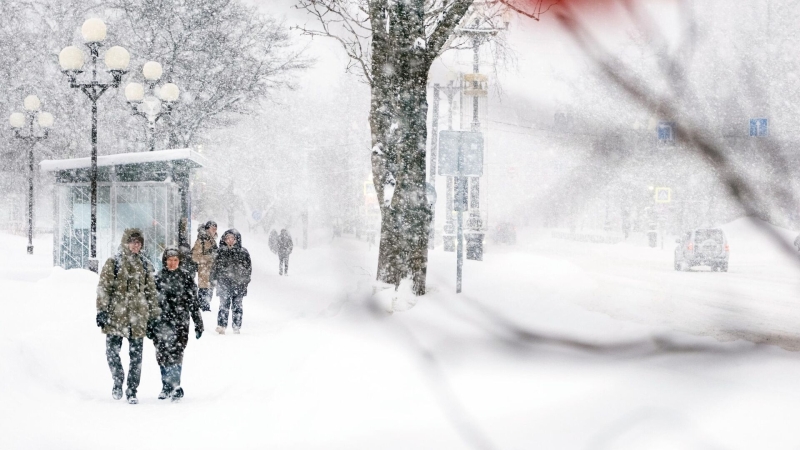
(449, 227)
(474, 221)
(475, 87)
(432, 172)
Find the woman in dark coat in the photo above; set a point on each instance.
(177, 296)
(231, 273)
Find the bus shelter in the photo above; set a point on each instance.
(147, 190)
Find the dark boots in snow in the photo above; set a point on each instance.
(177, 395)
(166, 389)
(130, 394)
(171, 381)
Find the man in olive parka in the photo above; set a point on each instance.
(127, 307)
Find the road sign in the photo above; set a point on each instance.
(663, 195)
(759, 127)
(257, 215)
(666, 133)
(461, 153)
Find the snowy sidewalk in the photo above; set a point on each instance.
(514, 363)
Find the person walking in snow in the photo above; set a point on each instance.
(285, 247)
(203, 254)
(127, 307)
(178, 301)
(231, 273)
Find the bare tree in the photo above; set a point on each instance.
(224, 55)
(392, 45)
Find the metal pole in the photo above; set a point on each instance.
(434, 152)
(448, 227)
(476, 43)
(459, 251)
(93, 263)
(151, 124)
(30, 192)
(474, 221)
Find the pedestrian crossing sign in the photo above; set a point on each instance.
(663, 195)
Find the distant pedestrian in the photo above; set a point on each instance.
(231, 272)
(177, 298)
(127, 307)
(285, 246)
(273, 241)
(203, 254)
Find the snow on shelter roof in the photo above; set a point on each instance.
(120, 159)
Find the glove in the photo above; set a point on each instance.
(102, 319)
(151, 329)
(198, 333)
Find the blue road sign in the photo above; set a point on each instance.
(759, 127)
(666, 132)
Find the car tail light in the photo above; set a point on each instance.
(690, 247)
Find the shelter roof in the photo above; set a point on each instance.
(186, 156)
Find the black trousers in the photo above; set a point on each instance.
(204, 295)
(113, 347)
(225, 303)
(283, 265)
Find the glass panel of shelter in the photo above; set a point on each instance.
(152, 207)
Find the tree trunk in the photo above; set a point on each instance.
(398, 117)
(410, 213)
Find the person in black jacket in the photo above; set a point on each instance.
(231, 273)
(285, 247)
(177, 297)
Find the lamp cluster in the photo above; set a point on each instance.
(150, 105)
(32, 106)
(73, 61)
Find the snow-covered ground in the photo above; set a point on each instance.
(553, 344)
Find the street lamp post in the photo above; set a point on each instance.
(71, 60)
(149, 107)
(18, 121)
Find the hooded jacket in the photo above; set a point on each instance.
(127, 292)
(203, 253)
(232, 267)
(285, 244)
(177, 298)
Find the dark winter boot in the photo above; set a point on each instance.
(177, 395)
(116, 392)
(130, 394)
(166, 388)
(165, 391)
(175, 380)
